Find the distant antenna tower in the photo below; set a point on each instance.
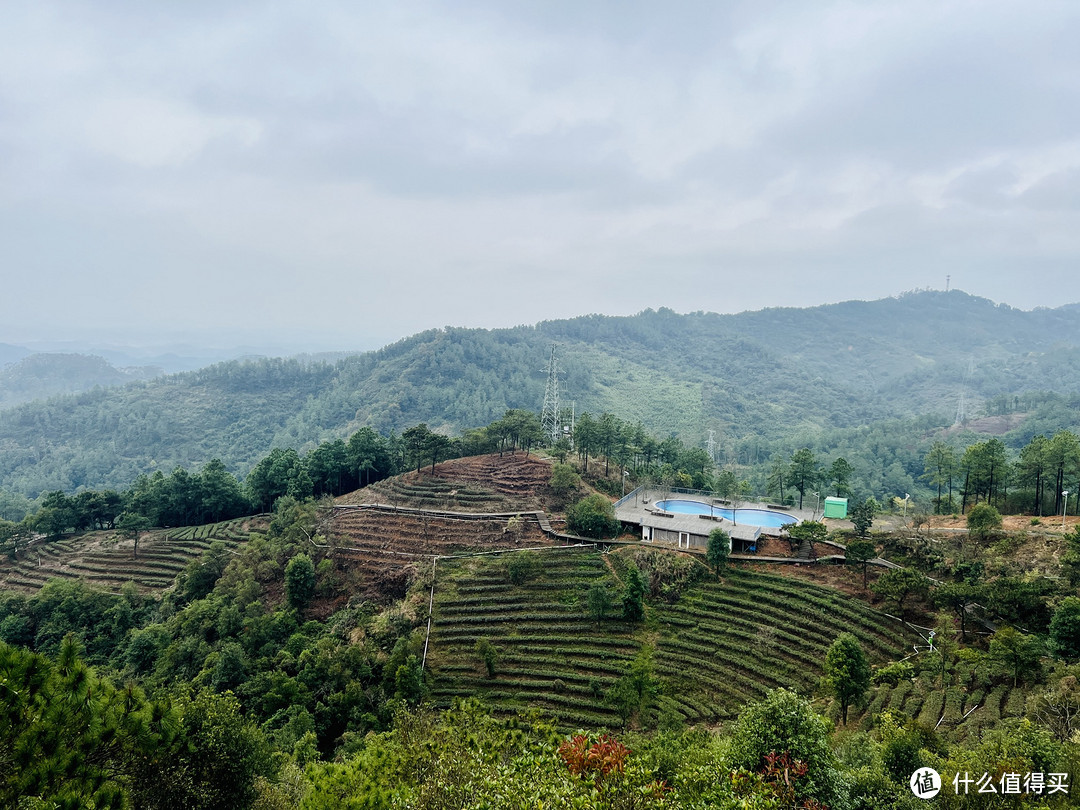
(710, 446)
(549, 417)
(947, 280)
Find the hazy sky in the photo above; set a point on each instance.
(344, 174)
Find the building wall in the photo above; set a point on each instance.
(677, 538)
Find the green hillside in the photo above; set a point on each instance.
(105, 561)
(774, 376)
(44, 375)
(715, 648)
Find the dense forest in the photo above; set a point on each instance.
(40, 376)
(766, 382)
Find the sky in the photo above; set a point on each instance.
(337, 175)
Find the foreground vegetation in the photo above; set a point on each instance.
(561, 677)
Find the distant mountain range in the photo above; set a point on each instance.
(39, 376)
(774, 374)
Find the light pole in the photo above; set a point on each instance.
(625, 475)
(1064, 506)
(906, 496)
(817, 503)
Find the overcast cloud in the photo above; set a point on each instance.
(338, 175)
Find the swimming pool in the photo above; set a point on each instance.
(751, 517)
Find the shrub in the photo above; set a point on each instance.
(1065, 630)
(892, 674)
(983, 521)
(564, 481)
(593, 516)
(522, 567)
(299, 581)
(488, 654)
(783, 721)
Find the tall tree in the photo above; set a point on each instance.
(809, 531)
(607, 435)
(847, 672)
(1065, 459)
(299, 581)
(840, 472)
(68, 738)
(778, 476)
(860, 552)
(958, 597)
(417, 439)
(1032, 467)
(899, 584)
(939, 469)
(369, 455)
(585, 437)
(862, 516)
(1065, 630)
(718, 550)
(270, 478)
(131, 525)
(804, 471)
(1016, 654)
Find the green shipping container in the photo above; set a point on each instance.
(836, 507)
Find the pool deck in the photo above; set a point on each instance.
(639, 508)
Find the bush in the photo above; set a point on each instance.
(892, 674)
(564, 481)
(983, 521)
(593, 516)
(488, 654)
(522, 567)
(299, 581)
(784, 721)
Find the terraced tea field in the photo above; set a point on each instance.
(488, 483)
(98, 558)
(550, 654)
(724, 644)
(383, 544)
(721, 645)
(963, 709)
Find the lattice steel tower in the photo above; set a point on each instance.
(549, 417)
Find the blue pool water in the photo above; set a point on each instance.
(751, 517)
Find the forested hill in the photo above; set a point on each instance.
(38, 376)
(774, 373)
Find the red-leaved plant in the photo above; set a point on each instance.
(778, 779)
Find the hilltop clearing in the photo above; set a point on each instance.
(495, 482)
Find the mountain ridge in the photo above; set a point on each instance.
(773, 373)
